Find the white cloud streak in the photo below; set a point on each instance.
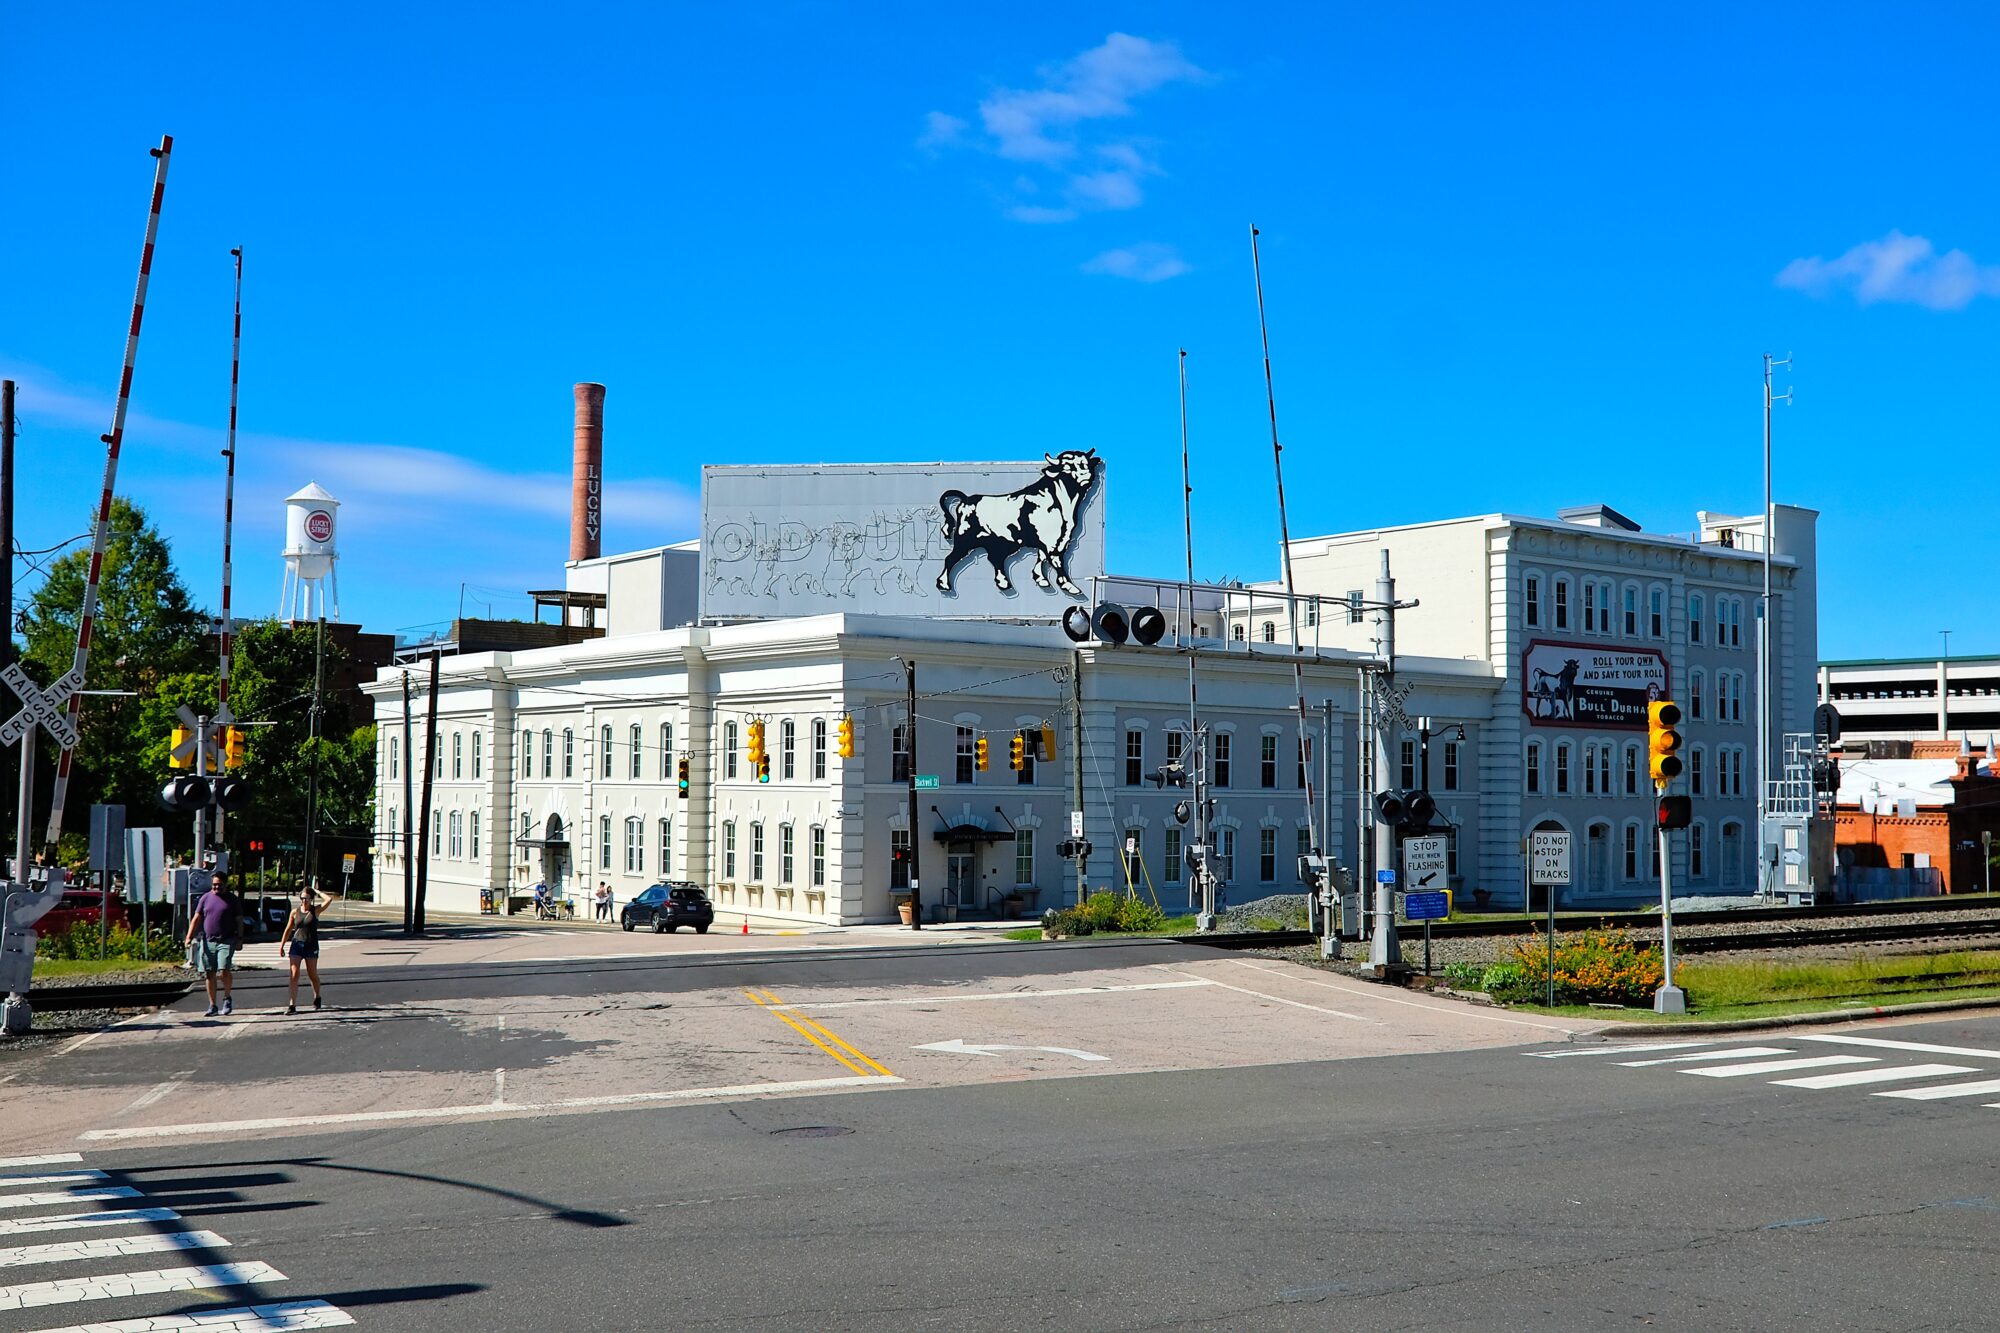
(1148, 262)
(1899, 269)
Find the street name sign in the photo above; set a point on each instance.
(927, 782)
(1548, 858)
(1423, 862)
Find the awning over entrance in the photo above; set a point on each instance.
(972, 833)
(541, 842)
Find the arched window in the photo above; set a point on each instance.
(729, 749)
(1236, 633)
(1534, 773)
(527, 754)
(638, 750)
(1560, 590)
(1590, 768)
(729, 849)
(1531, 601)
(1694, 617)
(457, 844)
(1696, 779)
(1631, 851)
(1631, 770)
(1631, 611)
(1604, 768)
(1589, 604)
(1698, 851)
(1731, 855)
(757, 851)
(604, 744)
(1270, 631)
(1656, 612)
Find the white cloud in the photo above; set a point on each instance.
(1899, 268)
(1049, 127)
(1148, 262)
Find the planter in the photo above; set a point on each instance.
(1011, 907)
(903, 910)
(1481, 897)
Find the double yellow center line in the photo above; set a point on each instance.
(819, 1036)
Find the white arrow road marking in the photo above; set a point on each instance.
(959, 1046)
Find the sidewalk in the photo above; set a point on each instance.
(726, 922)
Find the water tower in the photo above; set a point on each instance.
(310, 555)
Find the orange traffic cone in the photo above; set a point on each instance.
(746, 925)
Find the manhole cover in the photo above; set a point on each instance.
(812, 1132)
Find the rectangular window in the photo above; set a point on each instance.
(527, 754)
(1697, 853)
(1694, 619)
(899, 762)
(1604, 769)
(1562, 603)
(1406, 756)
(1135, 756)
(1354, 601)
(1534, 769)
(1631, 613)
(635, 847)
(1562, 770)
(757, 851)
(1267, 761)
(1631, 851)
(457, 839)
(788, 751)
(1694, 697)
(1631, 770)
(1722, 622)
(729, 849)
(1590, 606)
(1267, 855)
(1604, 609)
(1176, 746)
(1531, 603)
(666, 750)
(784, 853)
(819, 750)
(729, 749)
(1590, 770)
(1024, 856)
(437, 833)
(666, 848)
(1030, 741)
(1171, 871)
(636, 768)
(1312, 613)
(1225, 851)
(604, 842)
(1451, 765)
(1736, 624)
(1656, 613)
(1222, 739)
(392, 823)
(472, 832)
(478, 748)
(394, 747)
(819, 855)
(899, 858)
(1305, 753)
(1694, 772)
(437, 758)
(549, 754)
(962, 754)
(569, 753)
(604, 743)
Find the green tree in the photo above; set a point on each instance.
(148, 631)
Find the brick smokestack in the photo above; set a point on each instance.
(586, 492)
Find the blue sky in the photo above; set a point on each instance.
(1513, 261)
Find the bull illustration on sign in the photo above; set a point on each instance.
(1040, 519)
(1554, 692)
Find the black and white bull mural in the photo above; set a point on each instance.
(1039, 519)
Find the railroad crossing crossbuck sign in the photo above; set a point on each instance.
(38, 705)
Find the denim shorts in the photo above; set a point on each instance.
(212, 956)
(300, 949)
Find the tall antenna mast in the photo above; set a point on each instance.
(223, 716)
(100, 533)
(1285, 550)
(1764, 885)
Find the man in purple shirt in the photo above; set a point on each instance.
(215, 930)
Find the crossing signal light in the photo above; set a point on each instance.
(681, 771)
(1017, 756)
(979, 754)
(177, 746)
(233, 746)
(257, 844)
(229, 793)
(1663, 741)
(844, 738)
(185, 793)
(763, 767)
(1409, 812)
(1675, 812)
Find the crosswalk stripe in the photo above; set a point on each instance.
(53, 1178)
(243, 1319)
(68, 1290)
(1780, 1066)
(17, 1226)
(54, 1198)
(1855, 1077)
(1622, 1049)
(42, 1159)
(1923, 1047)
(1983, 1088)
(107, 1247)
(1734, 1053)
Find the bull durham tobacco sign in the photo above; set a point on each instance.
(1590, 685)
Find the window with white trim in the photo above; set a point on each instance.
(1135, 756)
(729, 849)
(1561, 593)
(478, 748)
(818, 838)
(604, 743)
(1171, 867)
(666, 750)
(788, 750)
(635, 846)
(1656, 612)
(1694, 617)
(819, 749)
(638, 753)
(1631, 612)
(1221, 758)
(1534, 772)
(1562, 768)
(1267, 761)
(729, 749)
(1267, 855)
(604, 842)
(457, 755)
(472, 833)
(1451, 766)
(1531, 602)
(784, 853)
(666, 848)
(756, 851)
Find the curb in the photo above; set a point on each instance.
(1648, 1030)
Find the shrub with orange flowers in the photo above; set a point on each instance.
(1591, 967)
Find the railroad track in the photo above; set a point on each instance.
(125, 995)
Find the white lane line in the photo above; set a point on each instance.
(1983, 1088)
(108, 1247)
(54, 1178)
(42, 1159)
(1439, 1007)
(998, 995)
(116, 1217)
(1856, 1077)
(1779, 1066)
(1296, 1004)
(53, 1198)
(482, 1108)
(1621, 1049)
(1924, 1047)
(279, 1318)
(68, 1290)
(1733, 1053)
(154, 1094)
(232, 1031)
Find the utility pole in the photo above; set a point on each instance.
(430, 768)
(1384, 951)
(1197, 746)
(910, 794)
(1764, 646)
(409, 816)
(1076, 764)
(7, 608)
(312, 784)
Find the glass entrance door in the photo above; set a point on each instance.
(961, 882)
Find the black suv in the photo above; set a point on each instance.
(668, 906)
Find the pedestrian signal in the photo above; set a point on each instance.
(1663, 741)
(1017, 752)
(1675, 812)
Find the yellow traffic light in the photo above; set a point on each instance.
(979, 754)
(233, 746)
(756, 732)
(1663, 742)
(179, 739)
(763, 768)
(682, 772)
(1048, 744)
(1018, 751)
(845, 734)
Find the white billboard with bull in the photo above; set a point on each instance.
(1017, 541)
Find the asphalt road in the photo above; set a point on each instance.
(1474, 1188)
